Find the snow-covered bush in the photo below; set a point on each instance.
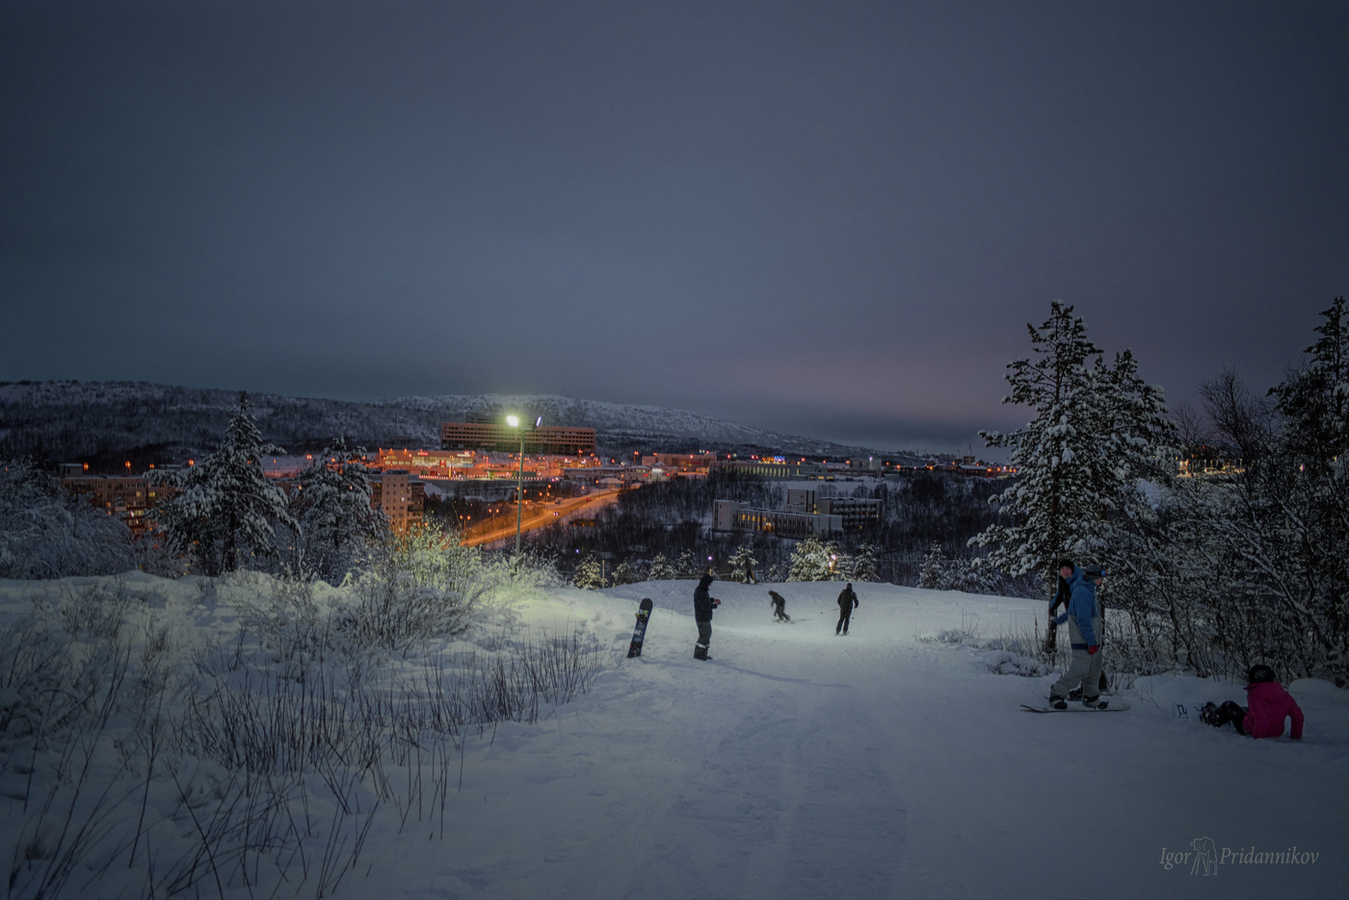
(48, 533)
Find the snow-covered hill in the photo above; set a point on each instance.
(794, 764)
(73, 420)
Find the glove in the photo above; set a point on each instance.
(1091, 651)
(715, 602)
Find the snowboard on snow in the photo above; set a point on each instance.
(639, 633)
(1076, 707)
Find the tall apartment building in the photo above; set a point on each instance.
(127, 497)
(493, 435)
(400, 496)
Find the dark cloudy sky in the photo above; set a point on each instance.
(832, 219)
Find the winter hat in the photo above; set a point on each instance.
(1066, 563)
(1260, 673)
(1094, 572)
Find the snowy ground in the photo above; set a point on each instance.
(800, 764)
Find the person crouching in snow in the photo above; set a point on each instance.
(1084, 626)
(703, 604)
(779, 606)
(1270, 704)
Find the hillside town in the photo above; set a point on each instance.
(481, 460)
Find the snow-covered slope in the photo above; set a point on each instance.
(76, 420)
(794, 764)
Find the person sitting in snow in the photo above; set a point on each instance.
(703, 604)
(1270, 704)
(847, 600)
(779, 606)
(1084, 624)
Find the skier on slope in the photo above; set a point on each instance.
(847, 600)
(703, 604)
(1084, 624)
(1270, 706)
(779, 606)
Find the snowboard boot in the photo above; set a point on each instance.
(1075, 694)
(1058, 703)
(700, 651)
(1216, 716)
(1094, 703)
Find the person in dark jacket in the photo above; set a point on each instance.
(847, 601)
(779, 606)
(1084, 628)
(703, 604)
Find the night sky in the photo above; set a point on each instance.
(832, 219)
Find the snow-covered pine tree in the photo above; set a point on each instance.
(661, 570)
(933, 570)
(742, 563)
(864, 566)
(811, 560)
(333, 509)
(223, 512)
(1098, 430)
(688, 567)
(589, 574)
(630, 571)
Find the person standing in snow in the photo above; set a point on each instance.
(1269, 706)
(703, 604)
(1084, 626)
(779, 606)
(1067, 574)
(847, 601)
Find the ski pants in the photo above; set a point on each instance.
(1085, 669)
(705, 634)
(780, 611)
(844, 617)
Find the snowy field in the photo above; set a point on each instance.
(794, 764)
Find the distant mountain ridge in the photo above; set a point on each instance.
(100, 421)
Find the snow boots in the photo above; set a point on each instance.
(700, 651)
(1058, 703)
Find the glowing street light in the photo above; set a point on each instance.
(514, 422)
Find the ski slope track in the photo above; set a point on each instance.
(797, 763)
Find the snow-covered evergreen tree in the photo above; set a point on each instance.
(812, 560)
(864, 566)
(630, 571)
(688, 566)
(1097, 432)
(742, 563)
(589, 574)
(48, 533)
(661, 570)
(333, 509)
(932, 572)
(223, 513)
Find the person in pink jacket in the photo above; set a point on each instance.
(1269, 703)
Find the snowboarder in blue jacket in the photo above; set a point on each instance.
(1084, 628)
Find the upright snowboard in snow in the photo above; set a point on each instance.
(1076, 707)
(639, 633)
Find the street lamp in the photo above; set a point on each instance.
(514, 422)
